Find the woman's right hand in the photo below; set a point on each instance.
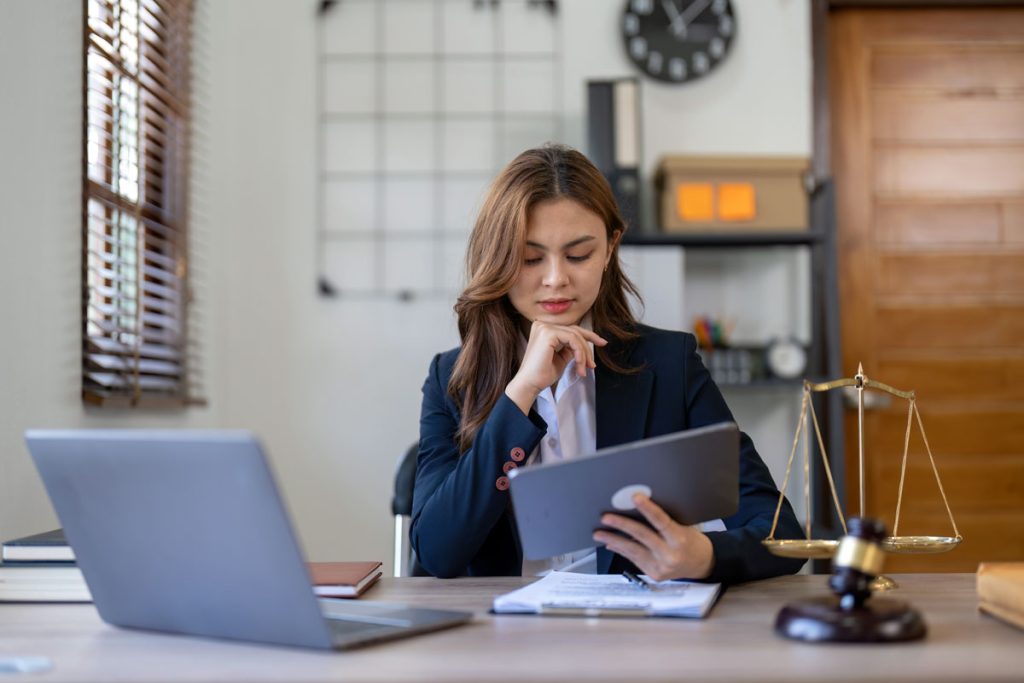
(548, 352)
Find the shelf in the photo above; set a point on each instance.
(725, 239)
(762, 384)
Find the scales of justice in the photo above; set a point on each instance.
(812, 548)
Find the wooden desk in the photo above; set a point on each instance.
(735, 642)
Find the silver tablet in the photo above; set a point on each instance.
(693, 475)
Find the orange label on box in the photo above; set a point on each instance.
(736, 202)
(695, 201)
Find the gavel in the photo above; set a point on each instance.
(851, 614)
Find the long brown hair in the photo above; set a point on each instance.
(488, 324)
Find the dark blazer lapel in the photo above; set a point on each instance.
(621, 405)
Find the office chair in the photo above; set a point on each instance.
(401, 508)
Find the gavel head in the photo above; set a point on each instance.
(857, 561)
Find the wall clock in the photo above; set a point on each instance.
(786, 358)
(677, 41)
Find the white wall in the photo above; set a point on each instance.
(40, 256)
(332, 386)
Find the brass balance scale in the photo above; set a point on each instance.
(813, 548)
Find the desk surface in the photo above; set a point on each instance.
(735, 642)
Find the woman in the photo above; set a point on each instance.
(554, 365)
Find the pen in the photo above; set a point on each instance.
(636, 580)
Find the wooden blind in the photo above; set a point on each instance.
(135, 203)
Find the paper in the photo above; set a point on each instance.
(608, 595)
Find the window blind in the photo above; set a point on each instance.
(135, 203)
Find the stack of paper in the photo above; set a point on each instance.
(608, 595)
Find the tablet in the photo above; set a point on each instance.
(693, 475)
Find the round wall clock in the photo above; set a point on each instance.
(786, 358)
(677, 41)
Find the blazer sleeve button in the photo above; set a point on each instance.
(501, 484)
(508, 467)
(517, 454)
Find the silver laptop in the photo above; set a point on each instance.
(185, 532)
(693, 475)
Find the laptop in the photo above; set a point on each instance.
(693, 475)
(185, 532)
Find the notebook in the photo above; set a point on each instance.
(343, 579)
(185, 532)
(48, 546)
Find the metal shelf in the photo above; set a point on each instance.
(773, 383)
(703, 239)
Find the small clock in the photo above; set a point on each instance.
(677, 41)
(786, 358)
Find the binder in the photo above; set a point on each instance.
(613, 140)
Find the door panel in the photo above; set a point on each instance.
(935, 223)
(901, 117)
(952, 430)
(977, 66)
(945, 172)
(994, 379)
(937, 325)
(927, 111)
(938, 273)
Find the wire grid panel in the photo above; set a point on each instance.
(420, 103)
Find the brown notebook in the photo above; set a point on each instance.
(1001, 591)
(343, 579)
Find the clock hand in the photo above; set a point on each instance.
(689, 14)
(677, 24)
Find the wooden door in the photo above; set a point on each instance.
(927, 112)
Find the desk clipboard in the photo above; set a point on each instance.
(608, 595)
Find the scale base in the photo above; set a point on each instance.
(820, 620)
(883, 583)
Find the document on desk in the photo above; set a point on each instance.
(566, 593)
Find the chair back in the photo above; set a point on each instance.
(405, 563)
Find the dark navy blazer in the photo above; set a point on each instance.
(462, 522)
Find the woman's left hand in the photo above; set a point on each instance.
(668, 551)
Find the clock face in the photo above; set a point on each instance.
(786, 358)
(677, 40)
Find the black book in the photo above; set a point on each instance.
(49, 546)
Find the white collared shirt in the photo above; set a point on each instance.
(570, 413)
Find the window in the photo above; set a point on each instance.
(135, 203)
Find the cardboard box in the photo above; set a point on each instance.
(736, 194)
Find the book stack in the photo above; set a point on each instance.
(41, 568)
(1001, 591)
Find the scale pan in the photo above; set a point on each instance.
(819, 549)
(920, 544)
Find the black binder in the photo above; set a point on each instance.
(613, 140)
